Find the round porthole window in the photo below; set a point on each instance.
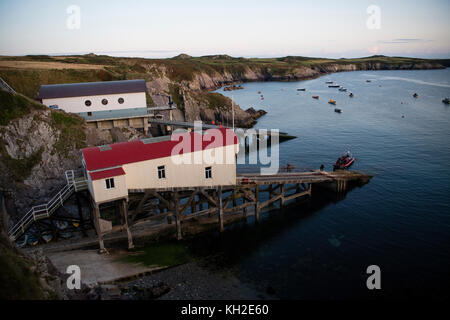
(104, 102)
(120, 100)
(88, 103)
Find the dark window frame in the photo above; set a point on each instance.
(88, 103)
(161, 172)
(208, 172)
(109, 183)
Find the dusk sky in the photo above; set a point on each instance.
(238, 28)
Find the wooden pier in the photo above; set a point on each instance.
(191, 206)
(251, 192)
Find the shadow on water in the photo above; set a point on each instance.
(239, 240)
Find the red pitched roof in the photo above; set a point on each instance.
(136, 151)
(109, 173)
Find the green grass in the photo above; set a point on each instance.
(17, 281)
(20, 169)
(28, 82)
(177, 97)
(178, 69)
(72, 135)
(159, 255)
(15, 106)
(217, 101)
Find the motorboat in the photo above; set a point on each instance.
(315, 96)
(338, 110)
(301, 89)
(332, 101)
(334, 86)
(351, 95)
(343, 89)
(344, 162)
(446, 101)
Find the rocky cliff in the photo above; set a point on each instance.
(37, 146)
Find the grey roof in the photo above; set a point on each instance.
(91, 88)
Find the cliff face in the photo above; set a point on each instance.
(196, 103)
(38, 145)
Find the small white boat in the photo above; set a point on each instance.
(343, 89)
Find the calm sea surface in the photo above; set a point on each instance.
(400, 221)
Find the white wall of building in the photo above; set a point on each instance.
(101, 194)
(143, 175)
(77, 104)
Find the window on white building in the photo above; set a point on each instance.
(104, 102)
(208, 172)
(161, 172)
(120, 100)
(88, 103)
(109, 183)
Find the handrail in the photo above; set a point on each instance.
(46, 209)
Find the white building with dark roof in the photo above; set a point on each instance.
(104, 104)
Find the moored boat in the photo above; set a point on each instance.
(329, 82)
(61, 225)
(343, 89)
(47, 236)
(315, 96)
(332, 101)
(446, 101)
(301, 89)
(344, 162)
(334, 86)
(337, 110)
(415, 95)
(351, 95)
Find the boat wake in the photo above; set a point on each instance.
(435, 84)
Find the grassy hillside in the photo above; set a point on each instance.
(67, 128)
(177, 69)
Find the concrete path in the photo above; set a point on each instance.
(98, 268)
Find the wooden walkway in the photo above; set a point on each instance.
(178, 205)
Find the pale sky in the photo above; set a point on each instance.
(154, 28)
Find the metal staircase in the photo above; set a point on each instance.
(45, 210)
(6, 87)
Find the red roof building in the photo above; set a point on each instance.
(148, 163)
